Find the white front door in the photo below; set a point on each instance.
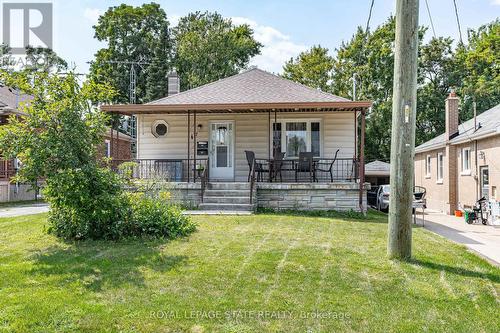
(222, 150)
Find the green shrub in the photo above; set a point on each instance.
(89, 203)
(86, 203)
(153, 216)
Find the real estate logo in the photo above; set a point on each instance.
(26, 24)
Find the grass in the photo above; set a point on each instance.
(261, 273)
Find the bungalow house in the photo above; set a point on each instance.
(253, 139)
(461, 165)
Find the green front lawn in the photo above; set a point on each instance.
(263, 273)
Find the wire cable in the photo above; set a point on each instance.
(369, 17)
(430, 18)
(458, 21)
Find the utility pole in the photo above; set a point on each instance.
(404, 105)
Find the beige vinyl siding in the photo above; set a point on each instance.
(251, 132)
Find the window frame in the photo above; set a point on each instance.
(155, 124)
(428, 166)
(465, 171)
(107, 148)
(283, 138)
(440, 168)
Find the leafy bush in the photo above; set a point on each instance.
(153, 216)
(89, 203)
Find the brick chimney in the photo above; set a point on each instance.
(452, 103)
(451, 153)
(174, 83)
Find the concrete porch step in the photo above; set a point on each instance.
(226, 193)
(225, 206)
(228, 186)
(227, 199)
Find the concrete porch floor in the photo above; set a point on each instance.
(481, 239)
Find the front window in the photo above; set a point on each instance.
(466, 160)
(428, 166)
(440, 167)
(294, 137)
(107, 148)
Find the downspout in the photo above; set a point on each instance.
(362, 160)
(476, 178)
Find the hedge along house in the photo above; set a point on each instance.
(254, 138)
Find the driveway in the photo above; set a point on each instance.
(24, 210)
(481, 239)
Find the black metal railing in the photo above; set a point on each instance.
(323, 170)
(174, 170)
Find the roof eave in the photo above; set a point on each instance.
(129, 109)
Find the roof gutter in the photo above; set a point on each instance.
(129, 109)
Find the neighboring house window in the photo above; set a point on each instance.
(428, 166)
(107, 148)
(466, 160)
(294, 137)
(440, 167)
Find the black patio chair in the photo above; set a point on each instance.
(259, 168)
(305, 164)
(327, 166)
(277, 164)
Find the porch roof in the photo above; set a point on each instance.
(253, 90)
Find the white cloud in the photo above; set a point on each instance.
(277, 47)
(495, 2)
(92, 14)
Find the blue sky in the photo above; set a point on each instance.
(284, 27)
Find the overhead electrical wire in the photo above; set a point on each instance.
(430, 18)
(458, 21)
(369, 17)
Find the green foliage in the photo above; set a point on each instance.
(154, 217)
(44, 60)
(134, 34)
(478, 63)
(56, 140)
(209, 47)
(312, 68)
(86, 203)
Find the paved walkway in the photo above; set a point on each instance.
(481, 239)
(217, 212)
(24, 210)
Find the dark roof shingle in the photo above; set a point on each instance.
(251, 86)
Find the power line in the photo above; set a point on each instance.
(458, 21)
(369, 17)
(430, 18)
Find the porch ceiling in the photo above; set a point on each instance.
(137, 109)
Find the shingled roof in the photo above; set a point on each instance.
(488, 124)
(251, 86)
(248, 91)
(10, 99)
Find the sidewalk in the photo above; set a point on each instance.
(481, 239)
(19, 210)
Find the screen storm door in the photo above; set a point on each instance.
(485, 181)
(222, 150)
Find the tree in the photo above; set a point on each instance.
(209, 47)
(436, 75)
(134, 34)
(44, 60)
(371, 56)
(312, 68)
(478, 64)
